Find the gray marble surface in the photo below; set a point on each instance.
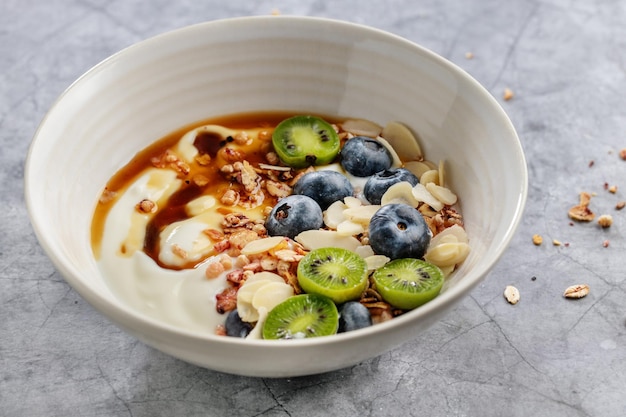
(565, 61)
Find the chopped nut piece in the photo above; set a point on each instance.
(606, 220)
(556, 242)
(576, 291)
(203, 159)
(107, 196)
(230, 198)
(613, 189)
(508, 94)
(511, 294)
(200, 180)
(581, 212)
(605, 244)
(214, 270)
(622, 154)
(178, 251)
(146, 206)
(620, 205)
(537, 240)
(277, 189)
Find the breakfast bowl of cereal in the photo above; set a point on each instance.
(275, 196)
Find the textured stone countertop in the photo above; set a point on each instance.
(565, 62)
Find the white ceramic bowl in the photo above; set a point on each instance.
(297, 64)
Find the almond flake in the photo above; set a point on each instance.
(576, 291)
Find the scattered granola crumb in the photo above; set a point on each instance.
(508, 94)
(537, 240)
(622, 154)
(556, 242)
(620, 205)
(613, 189)
(581, 212)
(469, 55)
(606, 220)
(275, 12)
(605, 244)
(591, 163)
(566, 244)
(576, 291)
(511, 294)
(146, 206)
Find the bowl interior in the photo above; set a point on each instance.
(268, 63)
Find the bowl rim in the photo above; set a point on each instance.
(125, 316)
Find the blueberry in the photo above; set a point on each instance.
(353, 316)
(362, 156)
(236, 327)
(378, 183)
(325, 187)
(399, 231)
(292, 215)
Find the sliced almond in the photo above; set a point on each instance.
(262, 245)
(442, 173)
(334, 214)
(362, 214)
(446, 254)
(403, 141)
(459, 233)
(376, 261)
(364, 251)
(362, 127)
(396, 162)
(350, 228)
(417, 167)
(400, 192)
(351, 202)
(431, 176)
(442, 194)
(271, 294)
(263, 276)
(315, 239)
(576, 291)
(423, 195)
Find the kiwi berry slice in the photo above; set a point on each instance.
(302, 316)
(408, 283)
(337, 273)
(302, 141)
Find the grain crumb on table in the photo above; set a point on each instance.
(511, 294)
(537, 239)
(581, 212)
(508, 94)
(606, 220)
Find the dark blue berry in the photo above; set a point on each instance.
(399, 231)
(236, 327)
(353, 316)
(325, 187)
(378, 183)
(292, 215)
(362, 156)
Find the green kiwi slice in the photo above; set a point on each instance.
(302, 316)
(302, 141)
(408, 283)
(337, 273)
